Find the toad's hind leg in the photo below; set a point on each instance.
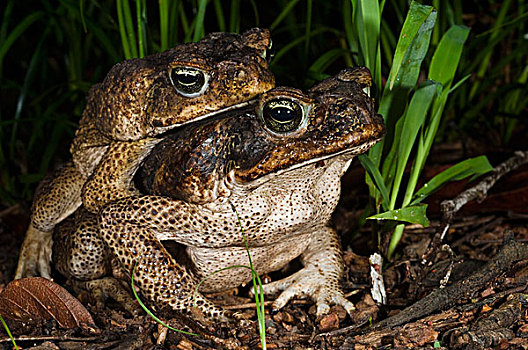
(80, 254)
(56, 198)
(131, 237)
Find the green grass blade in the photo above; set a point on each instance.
(374, 173)
(8, 332)
(128, 49)
(350, 29)
(144, 307)
(416, 16)
(447, 55)
(326, 59)
(141, 20)
(199, 30)
(286, 48)
(285, 11)
(413, 215)
(16, 32)
(495, 31)
(442, 69)
(220, 18)
(234, 16)
(413, 120)
(469, 167)
(393, 102)
(368, 29)
(164, 24)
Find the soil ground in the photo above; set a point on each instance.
(482, 306)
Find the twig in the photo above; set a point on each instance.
(512, 252)
(478, 192)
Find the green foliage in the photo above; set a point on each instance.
(147, 310)
(8, 331)
(52, 52)
(412, 111)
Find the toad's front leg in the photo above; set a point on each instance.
(131, 228)
(112, 179)
(56, 198)
(319, 279)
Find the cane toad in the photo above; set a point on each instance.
(138, 100)
(277, 167)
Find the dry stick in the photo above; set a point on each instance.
(512, 252)
(440, 298)
(478, 192)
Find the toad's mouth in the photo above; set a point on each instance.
(239, 108)
(281, 160)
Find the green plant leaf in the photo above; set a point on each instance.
(447, 55)
(289, 7)
(368, 29)
(199, 30)
(416, 16)
(469, 167)
(413, 120)
(147, 310)
(393, 102)
(374, 173)
(326, 59)
(18, 31)
(414, 215)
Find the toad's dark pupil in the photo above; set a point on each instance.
(187, 80)
(282, 115)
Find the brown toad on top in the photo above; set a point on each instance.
(138, 100)
(277, 166)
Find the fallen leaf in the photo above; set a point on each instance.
(37, 299)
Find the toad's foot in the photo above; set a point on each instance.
(109, 287)
(35, 254)
(309, 282)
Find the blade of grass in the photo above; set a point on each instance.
(413, 120)
(289, 7)
(164, 24)
(505, 5)
(141, 20)
(469, 167)
(412, 214)
(326, 59)
(220, 18)
(416, 16)
(259, 295)
(16, 32)
(393, 102)
(367, 22)
(8, 332)
(144, 307)
(199, 30)
(374, 173)
(234, 16)
(286, 48)
(128, 47)
(442, 69)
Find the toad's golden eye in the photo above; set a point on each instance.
(190, 82)
(282, 115)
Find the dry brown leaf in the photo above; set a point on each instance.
(36, 299)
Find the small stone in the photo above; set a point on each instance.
(329, 322)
